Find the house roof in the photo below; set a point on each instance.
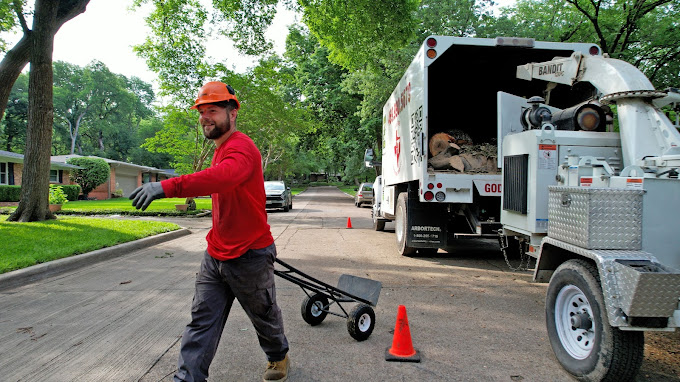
(11, 157)
(8, 156)
(113, 163)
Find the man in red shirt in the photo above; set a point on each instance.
(239, 261)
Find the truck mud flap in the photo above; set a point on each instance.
(426, 226)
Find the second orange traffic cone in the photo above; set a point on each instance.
(349, 223)
(402, 348)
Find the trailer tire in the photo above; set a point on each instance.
(314, 309)
(583, 341)
(401, 226)
(360, 322)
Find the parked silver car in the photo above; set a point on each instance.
(278, 195)
(364, 194)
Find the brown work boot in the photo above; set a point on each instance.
(277, 371)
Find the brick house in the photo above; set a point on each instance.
(12, 166)
(124, 176)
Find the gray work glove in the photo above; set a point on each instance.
(143, 196)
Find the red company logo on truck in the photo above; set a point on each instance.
(400, 104)
(397, 151)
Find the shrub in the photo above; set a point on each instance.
(118, 193)
(72, 192)
(95, 171)
(10, 193)
(57, 195)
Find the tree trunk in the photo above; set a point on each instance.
(10, 67)
(73, 131)
(33, 205)
(100, 139)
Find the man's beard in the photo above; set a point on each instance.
(218, 131)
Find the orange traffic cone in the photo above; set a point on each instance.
(402, 349)
(349, 223)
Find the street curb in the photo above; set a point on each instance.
(38, 272)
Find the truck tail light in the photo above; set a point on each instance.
(429, 196)
(594, 50)
(431, 53)
(440, 196)
(430, 186)
(431, 42)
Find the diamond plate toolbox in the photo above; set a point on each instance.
(596, 218)
(647, 289)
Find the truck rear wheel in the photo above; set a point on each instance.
(401, 226)
(578, 328)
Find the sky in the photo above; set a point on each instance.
(108, 30)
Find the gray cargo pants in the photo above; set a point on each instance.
(249, 279)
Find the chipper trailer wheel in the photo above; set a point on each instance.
(314, 309)
(360, 322)
(583, 341)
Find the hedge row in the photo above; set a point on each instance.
(13, 193)
(10, 193)
(72, 192)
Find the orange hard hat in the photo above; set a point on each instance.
(215, 91)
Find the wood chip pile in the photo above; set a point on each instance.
(455, 151)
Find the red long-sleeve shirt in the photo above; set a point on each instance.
(236, 184)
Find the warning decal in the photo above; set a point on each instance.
(547, 157)
(634, 183)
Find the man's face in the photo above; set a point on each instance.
(215, 120)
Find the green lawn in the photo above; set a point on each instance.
(123, 206)
(351, 189)
(27, 244)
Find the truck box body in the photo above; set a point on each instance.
(452, 85)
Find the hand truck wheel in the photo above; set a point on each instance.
(314, 309)
(361, 322)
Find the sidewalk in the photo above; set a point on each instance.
(42, 271)
(113, 319)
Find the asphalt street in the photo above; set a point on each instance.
(470, 316)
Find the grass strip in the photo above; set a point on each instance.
(351, 189)
(123, 206)
(27, 244)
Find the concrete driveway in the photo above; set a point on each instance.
(470, 317)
